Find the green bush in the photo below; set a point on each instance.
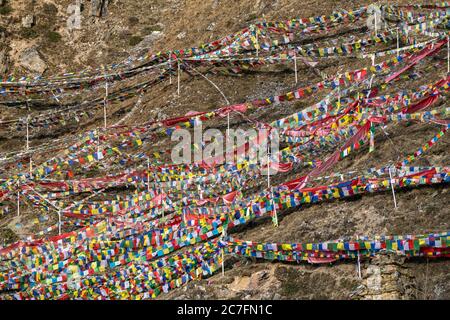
(28, 33)
(53, 36)
(5, 10)
(134, 40)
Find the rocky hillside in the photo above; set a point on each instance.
(44, 39)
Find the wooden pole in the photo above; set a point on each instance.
(98, 141)
(398, 44)
(376, 25)
(28, 133)
(295, 67)
(18, 203)
(448, 54)
(275, 215)
(339, 91)
(178, 80)
(359, 262)
(106, 103)
(392, 188)
(28, 145)
(228, 124)
(224, 234)
(148, 174)
(257, 44)
(268, 166)
(59, 222)
(170, 67)
(223, 262)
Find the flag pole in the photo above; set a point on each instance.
(257, 44)
(398, 44)
(105, 104)
(148, 174)
(28, 144)
(339, 90)
(98, 139)
(392, 188)
(170, 67)
(59, 222)
(224, 234)
(295, 67)
(18, 203)
(376, 26)
(178, 78)
(448, 54)
(275, 215)
(359, 261)
(228, 124)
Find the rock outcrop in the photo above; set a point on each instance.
(386, 278)
(31, 60)
(99, 8)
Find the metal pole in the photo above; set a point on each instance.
(392, 188)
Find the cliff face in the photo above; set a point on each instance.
(40, 38)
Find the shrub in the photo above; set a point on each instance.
(133, 21)
(49, 9)
(5, 10)
(134, 40)
(28, 33)
(53, 36)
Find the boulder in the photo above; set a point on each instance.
(148, 40)
(28, 21)
(181, 35)
(211, 26)
(99, 8)
(31, 60)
